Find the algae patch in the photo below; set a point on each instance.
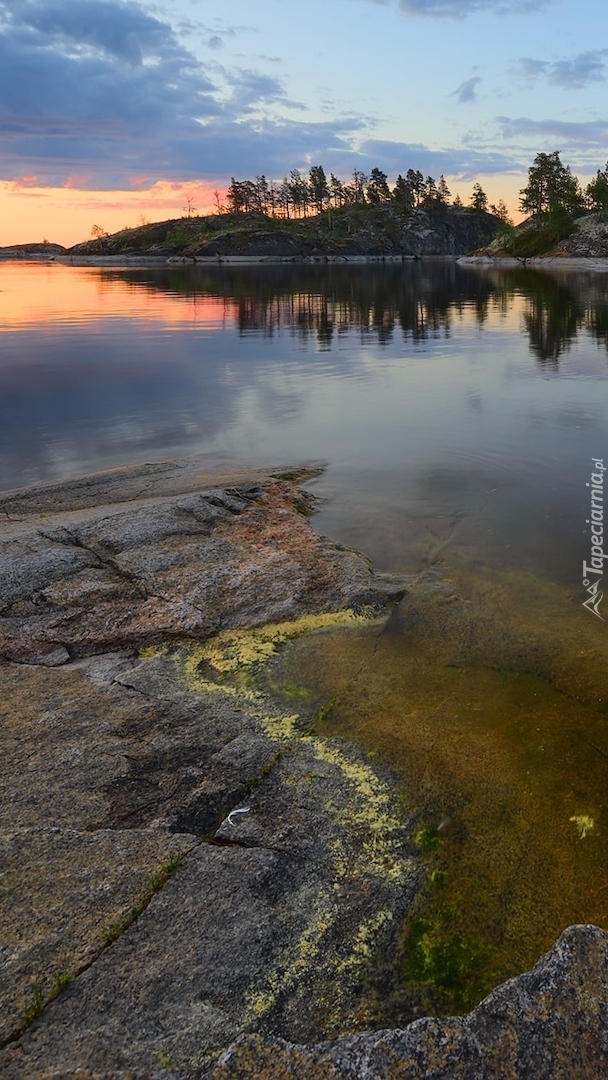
(362, 951)
(584, 824)
(226, 659)
(294, 963)
(369, 813)
(231, 650)
(458, 969)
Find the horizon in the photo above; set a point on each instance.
(114, 111)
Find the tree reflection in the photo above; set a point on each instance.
(553, 318)
(418, 300)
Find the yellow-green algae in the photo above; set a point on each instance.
(362, 949)
(231, 650)
(223, 660)
(584, 824)
(369, 813)
(280, 728)
(295, 962)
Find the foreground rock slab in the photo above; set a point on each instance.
(78, 579)
(183, 860)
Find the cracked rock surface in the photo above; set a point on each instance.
(78, 578)
(140, 923)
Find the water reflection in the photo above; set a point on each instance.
(284, 363)
(421, 301)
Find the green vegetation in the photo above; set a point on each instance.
(161, 877)
(428, 839)
(166, 1062)
(37, 1005)
(296, 691)
(551, 188)
(39, 1002)
(542, 237)
(555, 200)
(597, 192)
(457, 971)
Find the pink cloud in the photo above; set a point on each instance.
(24, 181)
(76, 182)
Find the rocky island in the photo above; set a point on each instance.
(355, 234)
(188, 860)
(359, 232)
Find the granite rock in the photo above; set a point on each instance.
(141, 915)
(77, 579)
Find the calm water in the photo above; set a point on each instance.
(457, 413)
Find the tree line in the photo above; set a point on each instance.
(299, 195)
(553, 189)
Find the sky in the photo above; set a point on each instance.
(113, 112)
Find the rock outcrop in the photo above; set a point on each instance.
(186, 862)
(83, 581)
(184, 859)
(588, 240)
(31, 252)
(372, 231)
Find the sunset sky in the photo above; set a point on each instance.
(112, 112)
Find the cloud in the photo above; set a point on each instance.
(123, 31)
(465, 164)
(467, 91)
(103, 90)
(573, 74)
(586, 133)
(530, 69)
(459, 9)
(250, 89)
(585, 140)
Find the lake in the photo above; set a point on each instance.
(457, 413)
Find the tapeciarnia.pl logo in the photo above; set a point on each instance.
(593, 571)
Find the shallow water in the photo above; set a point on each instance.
(457, 413)
(503, 755)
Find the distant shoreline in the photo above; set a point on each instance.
(539, 262)
(550, 262)
(238, 260)
(542, 262)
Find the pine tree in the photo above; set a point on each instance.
(403, 194)
(597, 191)
(416, 181)
(377, 187)
(443, 191)
(551, 187)
(319, 188)
(479, 199)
